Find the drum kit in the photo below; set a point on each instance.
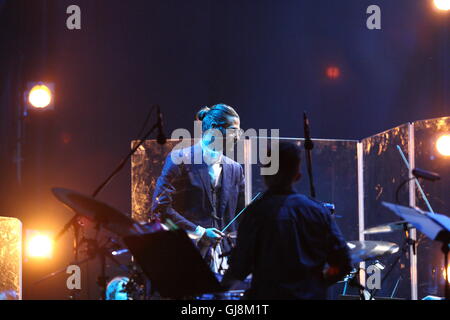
(134, 285)
(104, 217)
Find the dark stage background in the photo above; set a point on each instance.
(266, 58)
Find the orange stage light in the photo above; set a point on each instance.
(443, 145)
(39, 245)
(40, 96)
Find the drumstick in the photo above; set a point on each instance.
(242, 211)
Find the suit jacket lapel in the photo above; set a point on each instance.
(202, 171)
(226, 183)
(204, 176)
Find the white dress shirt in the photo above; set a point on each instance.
(213, 160)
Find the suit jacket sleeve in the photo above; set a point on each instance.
(164, 194)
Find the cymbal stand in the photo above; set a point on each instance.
(354, 282)
(407, 243)
(102, 252)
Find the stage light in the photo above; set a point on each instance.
(443, 5)
(40, 96)
(445, 274)
(39, 245)
(443, 145)
(333, 72)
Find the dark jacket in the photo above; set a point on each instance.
(183, 191)
(285, 241)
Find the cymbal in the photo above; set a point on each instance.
(388, 227)
(367, 250)
(97, 211)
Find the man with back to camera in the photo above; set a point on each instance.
(288, 242)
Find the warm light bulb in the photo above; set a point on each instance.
(39, 245)
(40, 96)
(443, 5)
(443, 145)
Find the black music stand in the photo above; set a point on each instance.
(173, 264)
(435, 226)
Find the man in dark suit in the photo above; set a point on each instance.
(288, 242)
(203, 197)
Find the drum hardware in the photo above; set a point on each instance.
(433, 225)
(368, 250)
(362, 251)
(105, 216)
(93, 250)
(116, 289)
(388, 227)
(110, 219)
(132, 286)
(405, 247)
(408, 242)
(99, 212)
(137, 287)
(353, 280)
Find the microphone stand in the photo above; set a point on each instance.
(123, 162)
(102, 280)
(309, 146)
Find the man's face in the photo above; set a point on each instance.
(233, 129)
(229, 134)
(232, 134)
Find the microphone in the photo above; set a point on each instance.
(309, 145)
(161, 138)
(427, 175)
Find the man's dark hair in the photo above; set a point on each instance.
(289, 165)
(218, 114)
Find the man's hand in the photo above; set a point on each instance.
(333, 274)
(213, 235)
